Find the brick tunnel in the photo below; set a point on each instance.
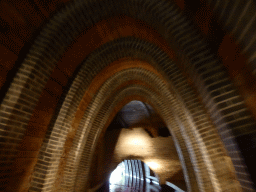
(69, 67)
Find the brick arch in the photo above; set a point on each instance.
(100, 123)
(81, 174)
(52, 79)
(53, 88)
(24, 89)
(163, 64)
(88, 152)
(71, 112)
(123, 66)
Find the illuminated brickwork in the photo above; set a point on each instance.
(67, 67)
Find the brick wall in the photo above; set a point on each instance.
(46, 47)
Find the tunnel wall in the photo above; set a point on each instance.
(33, 88)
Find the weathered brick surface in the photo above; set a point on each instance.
(35, 94)
(87, 153)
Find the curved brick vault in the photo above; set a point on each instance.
(69, 67)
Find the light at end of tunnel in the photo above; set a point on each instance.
(153, 165)
(136, 141)
(117, 174)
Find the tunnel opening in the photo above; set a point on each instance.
(199, 59)
(138, 132)
(134, 175)
(140, 114)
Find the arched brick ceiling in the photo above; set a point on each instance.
(130, 63)
(61, 35)
(106, 62)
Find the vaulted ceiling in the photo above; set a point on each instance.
(70, 68)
